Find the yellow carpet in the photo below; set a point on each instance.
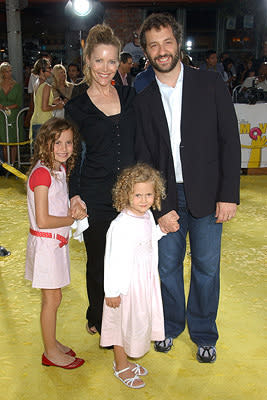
(239, 372)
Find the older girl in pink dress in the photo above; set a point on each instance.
(47, 259)
(132, 312)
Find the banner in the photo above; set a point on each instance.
(252, 124)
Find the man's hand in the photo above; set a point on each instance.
(113, 302)
(78, 208)
(169, 222)
(225, 211)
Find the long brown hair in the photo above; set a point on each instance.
(49, 132)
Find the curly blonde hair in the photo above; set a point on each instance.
(99, 34)
(49, 132)
(139, 173)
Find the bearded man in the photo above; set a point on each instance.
(187, 129)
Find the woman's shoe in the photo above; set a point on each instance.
(75, 364)
(129, 382)
(90, 330)
(71, 353)
(136, 369)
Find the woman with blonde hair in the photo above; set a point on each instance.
(10, 103)
(105, 119)
(44, 102)
(61, 88)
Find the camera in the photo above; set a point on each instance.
(251, 96)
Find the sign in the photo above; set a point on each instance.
(252, 124)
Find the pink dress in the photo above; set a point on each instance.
(131, 270)
(47, 264)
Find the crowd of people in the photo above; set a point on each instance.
(146, 172)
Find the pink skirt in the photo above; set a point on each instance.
(139, 318)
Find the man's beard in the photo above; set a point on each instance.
(158, 68)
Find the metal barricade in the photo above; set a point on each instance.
(235, 93)
(7, 137)
(18, 138)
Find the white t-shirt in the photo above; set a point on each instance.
(172, 103)
(32, 81)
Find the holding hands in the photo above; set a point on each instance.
(169, 222)
(78, 208)
(113, 302)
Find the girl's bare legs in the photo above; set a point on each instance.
(122, 362)
(54, 351)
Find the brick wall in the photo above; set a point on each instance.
(124, 21)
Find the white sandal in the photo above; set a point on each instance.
(136, 369)
(129, 382)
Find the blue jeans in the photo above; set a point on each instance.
(202, 305)
(35, 130)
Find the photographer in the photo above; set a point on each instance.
(259, 81)
(254, 88)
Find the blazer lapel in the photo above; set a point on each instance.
(188, 91)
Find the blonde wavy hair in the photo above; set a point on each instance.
(49, 132)
(139, 173)
(55, 71)
(3, 67)
(99, 34)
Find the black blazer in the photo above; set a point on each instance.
(210, 143)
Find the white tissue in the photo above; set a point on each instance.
(79, 226)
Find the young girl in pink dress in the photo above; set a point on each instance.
(47, 259)
(132, 312)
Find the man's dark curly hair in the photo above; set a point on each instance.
(157, 21)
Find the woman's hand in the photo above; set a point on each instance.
(57, 100)
(113, 302)
(60, 105)
(78, 208)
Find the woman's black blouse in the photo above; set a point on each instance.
(108, 147)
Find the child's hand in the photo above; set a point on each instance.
(78, 208)
(113, 302)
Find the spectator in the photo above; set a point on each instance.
(259, 81)
(223, 57)
(123, 76)
(74, 73)
(249, 70)
(10, 103)
(228, 76)
(62, 89)
(33, 80)
(136, 52)
(43, 97)
(211, 63)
